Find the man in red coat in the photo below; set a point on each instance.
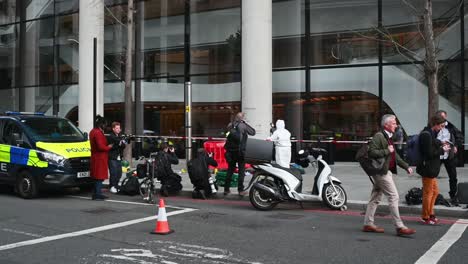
(99, 156)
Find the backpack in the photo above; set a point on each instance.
(233, 139)
(413, 151)
(414, 196)
(370, 165)
(130, 186)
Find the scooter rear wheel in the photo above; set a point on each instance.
(334, 196)
(260, 200)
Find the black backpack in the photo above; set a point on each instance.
(130, 186)
(414, 196)
(233, 139)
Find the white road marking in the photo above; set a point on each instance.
(435, 253)
(89, 231)
(125, 202)
(169, 252)
(20, 232)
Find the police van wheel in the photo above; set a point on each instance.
(26, 185)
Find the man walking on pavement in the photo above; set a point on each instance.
(381, 146)
(451, 135)
(238, 132)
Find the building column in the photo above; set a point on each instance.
(91, 26)
(257, 64)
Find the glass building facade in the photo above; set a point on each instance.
(337, 65)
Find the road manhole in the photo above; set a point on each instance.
(286, 216)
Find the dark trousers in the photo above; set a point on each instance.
(232, 158)
(97, 188)
(451, 167)
(115, 171)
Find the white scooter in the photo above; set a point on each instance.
(272, 184)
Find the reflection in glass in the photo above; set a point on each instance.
(163, 38)
(215, 98)
(38, 8)
(344, 106)
(39, 52)
(216, 50)
(402, 26)
(339, 36)
(8, 12)
(67, 48)
(8, 60)
(288, 33)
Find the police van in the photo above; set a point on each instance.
(39, 152)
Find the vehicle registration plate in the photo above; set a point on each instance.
(83, 174)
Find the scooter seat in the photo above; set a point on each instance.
(293, 171)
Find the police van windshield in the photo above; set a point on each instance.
(52, 130)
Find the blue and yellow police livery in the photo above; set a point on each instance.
(40, 152)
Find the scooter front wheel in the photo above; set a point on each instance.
(334, 196)
(260, 200)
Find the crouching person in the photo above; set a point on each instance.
(200, 175)
(170, 181)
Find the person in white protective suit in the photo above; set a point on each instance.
(282, 140)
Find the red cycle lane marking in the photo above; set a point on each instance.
(319, 210)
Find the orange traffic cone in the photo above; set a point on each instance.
(162, 225)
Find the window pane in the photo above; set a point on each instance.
(39, 52)
(162, 41)
(215, 98)
(288, 33)
(115, 42)
(8, 12)
(215, 50)
(345, 106)
(8, 52)
(402, 25)
(66, 6)
(342, 36)
(38, 8)
(67, 42)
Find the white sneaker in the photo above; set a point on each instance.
(113, 189)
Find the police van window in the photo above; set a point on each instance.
(52, 130)
(13, 135)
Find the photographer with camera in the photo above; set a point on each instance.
(170, 181)
(119, 142)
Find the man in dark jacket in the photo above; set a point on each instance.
(170, 181)
(199, 174)
(450, 134)
(381, 146)
(115, 156)
(431, 149)
(235, 151)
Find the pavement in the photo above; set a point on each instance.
(358, 187)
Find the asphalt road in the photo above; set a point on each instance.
(70, 228)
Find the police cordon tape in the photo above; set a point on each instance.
(292, 140)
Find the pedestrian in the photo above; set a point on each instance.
(170, 181)
(431, 150)
(200, 175)
(115, 156)
(381, 146)
(451, 134)
(99, 156)
(238, 132)
(282, 140)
